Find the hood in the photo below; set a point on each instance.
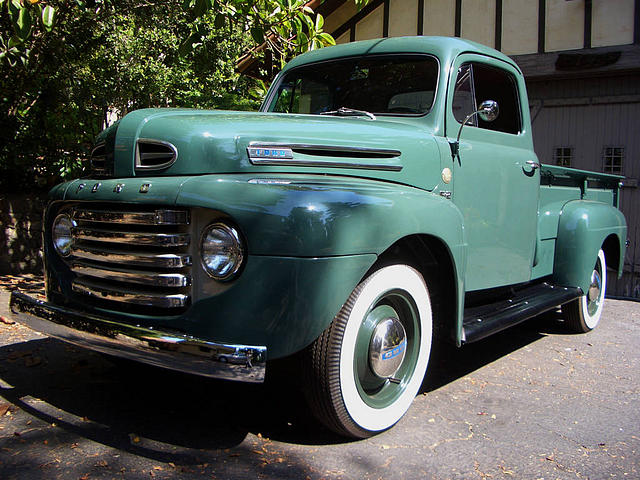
(170, 142)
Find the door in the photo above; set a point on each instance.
(493, 185)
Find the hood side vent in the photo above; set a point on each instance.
(154, 154)
(101, 161)
(344, 152)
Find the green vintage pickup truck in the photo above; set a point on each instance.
(386, 200)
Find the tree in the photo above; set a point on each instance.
(65, 64)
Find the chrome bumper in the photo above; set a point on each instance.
(155, 347)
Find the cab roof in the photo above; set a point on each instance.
(445, 48)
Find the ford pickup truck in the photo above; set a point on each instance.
(385, 200)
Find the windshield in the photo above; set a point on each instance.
(381, 84)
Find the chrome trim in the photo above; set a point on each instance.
(139, 157)
(183, 353)
(158, 217)
(147, 299)
(162, 260)
(134, 276)
(147, 239)
(387, 347)
(328, 148)
(100, 158)
(300, 148)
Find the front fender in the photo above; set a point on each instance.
(582, 230)
(311, 216)
(303, 216)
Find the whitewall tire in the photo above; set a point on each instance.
(368, 366)
(583, 314)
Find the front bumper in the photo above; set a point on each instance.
(155, 347)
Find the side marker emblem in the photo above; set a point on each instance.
(118, 188)
(144, 188)
(80, 187)
(96, 187)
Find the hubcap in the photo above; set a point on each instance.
(386, 353)
(594, 292)
(387, 348)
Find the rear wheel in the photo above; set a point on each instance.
(583, 314)
(368, 365)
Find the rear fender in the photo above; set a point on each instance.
(582, 230)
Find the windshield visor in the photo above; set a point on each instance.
(381, 84)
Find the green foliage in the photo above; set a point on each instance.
(65, 66)
(85, 60)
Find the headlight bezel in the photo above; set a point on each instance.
(239, 246)
(55, 237)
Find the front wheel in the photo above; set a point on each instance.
(583, 314)
(368, 365)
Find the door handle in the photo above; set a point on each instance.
(533, 164)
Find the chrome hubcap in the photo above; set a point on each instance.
(387, 348)
(595, 288)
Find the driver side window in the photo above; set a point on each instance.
(477, 82)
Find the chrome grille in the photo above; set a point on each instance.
(132, 258)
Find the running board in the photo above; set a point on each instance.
(484, 320)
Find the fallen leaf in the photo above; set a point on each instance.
(84, 477)
(4, 408)
(134, 438)
(6, 321)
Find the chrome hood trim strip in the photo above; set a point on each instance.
(281, 154)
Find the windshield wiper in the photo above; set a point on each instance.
(349, 112)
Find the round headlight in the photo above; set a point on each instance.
(62, 234)
(221, 250)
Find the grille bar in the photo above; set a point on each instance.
(147, 239)
(157, 217)
(162, 260)
(133, 276)
(145, 298)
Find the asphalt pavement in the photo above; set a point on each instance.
(531, 402)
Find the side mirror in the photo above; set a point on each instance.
(487, 112)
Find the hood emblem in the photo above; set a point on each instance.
(96, 187)
(80, 187)
(144, 188)
(261, 153)
(118, 188)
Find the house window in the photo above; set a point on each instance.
(612, 159)
(562, 156)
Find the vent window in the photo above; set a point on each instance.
(154, 155)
